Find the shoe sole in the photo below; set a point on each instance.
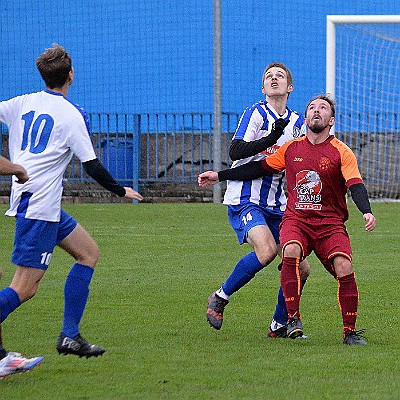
(217, 327)
(272, 336)
(65, 353)
(213, 320)
(294, 334)
(37, 364)
(355, 344)
(301, 337)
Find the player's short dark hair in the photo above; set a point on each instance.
(279, 65)
(54, 66)
(325, 97)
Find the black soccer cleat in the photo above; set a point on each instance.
(277, 333)
(354, 338)
(215, 310)
(78, 346)
(294, 328)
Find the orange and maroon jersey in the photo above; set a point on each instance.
(318, 176)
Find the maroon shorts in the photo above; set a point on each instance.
(326, 238)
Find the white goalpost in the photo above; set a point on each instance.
(363, 76)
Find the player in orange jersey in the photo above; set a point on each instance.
(319, 170)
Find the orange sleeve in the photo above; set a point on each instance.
(276, 160)
(350, 169)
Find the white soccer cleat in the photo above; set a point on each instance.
(15, 363)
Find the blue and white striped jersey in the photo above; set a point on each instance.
(45, 130)
(255, 123)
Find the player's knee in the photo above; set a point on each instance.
(342, 266)
(292, 250)
(267, 254)
(90, 257)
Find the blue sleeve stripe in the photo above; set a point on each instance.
(243, 123)
(83, 113)
(245, 119)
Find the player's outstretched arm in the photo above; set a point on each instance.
(208, 178)
(248, 171)
(241, 149)
(95, 169)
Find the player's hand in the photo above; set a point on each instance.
(370, 222)
(21, 174)
(277, 129)
(279, 125)
(132, 194)
(208, 178)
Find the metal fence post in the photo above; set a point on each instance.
(217, 191)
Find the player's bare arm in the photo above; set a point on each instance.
(9, 168)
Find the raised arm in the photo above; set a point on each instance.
(241, 149)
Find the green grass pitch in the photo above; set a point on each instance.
(158, 265)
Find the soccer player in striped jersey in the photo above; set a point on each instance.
(319, 169)
(256, 206)
(45, 131)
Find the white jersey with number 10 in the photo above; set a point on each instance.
(45, 131)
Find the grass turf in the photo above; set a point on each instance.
(158, 265)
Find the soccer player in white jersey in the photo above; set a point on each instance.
(45, 131)
(255, 207)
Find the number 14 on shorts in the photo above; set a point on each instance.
(246, 218)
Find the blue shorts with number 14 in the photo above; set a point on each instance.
(244, 217)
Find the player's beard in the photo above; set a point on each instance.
(316, 125)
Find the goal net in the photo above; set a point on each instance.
(363, 75)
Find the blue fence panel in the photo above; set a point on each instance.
(139, 149)
(117, 139)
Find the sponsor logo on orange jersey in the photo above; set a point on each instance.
(308, 188)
